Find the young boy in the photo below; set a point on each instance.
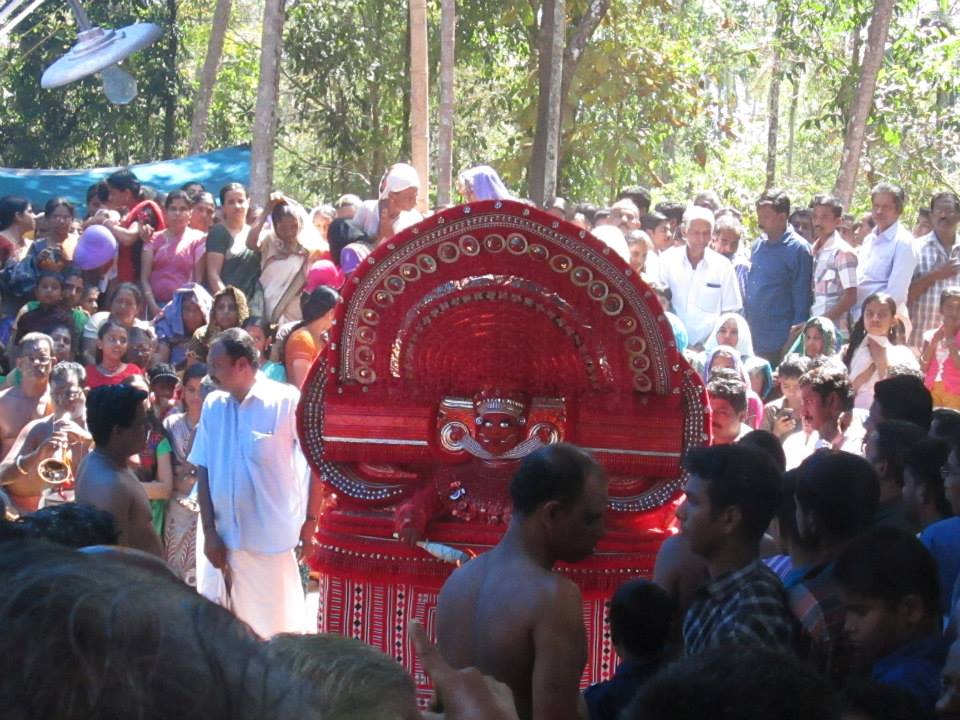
(891, 595)
(46, 311)
(641, 613)
(782, 416)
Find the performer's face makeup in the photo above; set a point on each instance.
(498, 432)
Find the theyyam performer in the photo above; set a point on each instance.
(465, 343)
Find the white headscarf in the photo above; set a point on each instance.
(399, 177)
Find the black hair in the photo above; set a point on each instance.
(108, 622)
(231, 187)
(125, 180)
(58, 202)
(767, 442)
(62, 370)
(555, 472)
(651, 220)
(751, 683)
(741, 476)
(72, 524)
(826, 380)
(238, 344)
(588, 210)
(777, 199)
(828, 201)
(842, 489)
(177, 195)
(131, 288)
(110, 406)
(793, 365)
(875, 701)
(98, 190)
(945, 425)
(945, 195)
(282, 210)
(925, 460)
(895, 438)
(340, 234)
(196, 371)
(256, 321)
(732, 389)
(904, 397)
(317, 303)
(899, 197)
(108, 325)
(641, 614)
(638, 194)
(189, 183)
(787, 512)
(46, 274)
(10, 207)
(71, 271)
(889, 564)
(672, 210)
(801, 213)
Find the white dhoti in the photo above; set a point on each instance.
(264, 590)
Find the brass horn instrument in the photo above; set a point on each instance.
(57, 470)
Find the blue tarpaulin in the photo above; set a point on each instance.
(213, 169)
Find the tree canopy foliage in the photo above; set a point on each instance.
(667, 93)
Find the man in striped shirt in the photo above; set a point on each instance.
(732, 494)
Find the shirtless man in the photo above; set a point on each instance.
(506, 613)
(45, 438)
(30, 399)
(117, 418)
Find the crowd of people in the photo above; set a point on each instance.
(154, 347)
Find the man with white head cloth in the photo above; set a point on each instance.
(702, 282)
(396, 208)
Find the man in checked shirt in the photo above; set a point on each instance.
(732, 494)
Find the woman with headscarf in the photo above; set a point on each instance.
(349, 244)
(482, 183)
(229, 310)
(817, 338)
(731, 329)
(725, 356)
(179, 319)
(286, 251)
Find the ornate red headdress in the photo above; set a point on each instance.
(466, 342)
(498, 298)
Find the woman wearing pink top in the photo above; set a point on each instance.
(172, 257)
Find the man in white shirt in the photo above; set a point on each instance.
(252, 489)
(887, 258)
(702, 282)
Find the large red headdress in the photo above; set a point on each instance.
(492, 328)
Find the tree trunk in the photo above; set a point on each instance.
(546, 142)
(265, 111)
(448, 29)
(773, 100)
(794, 101)
(419, 99)
(574, 51)
(863, 101)
(171, 89)
(208, 76)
